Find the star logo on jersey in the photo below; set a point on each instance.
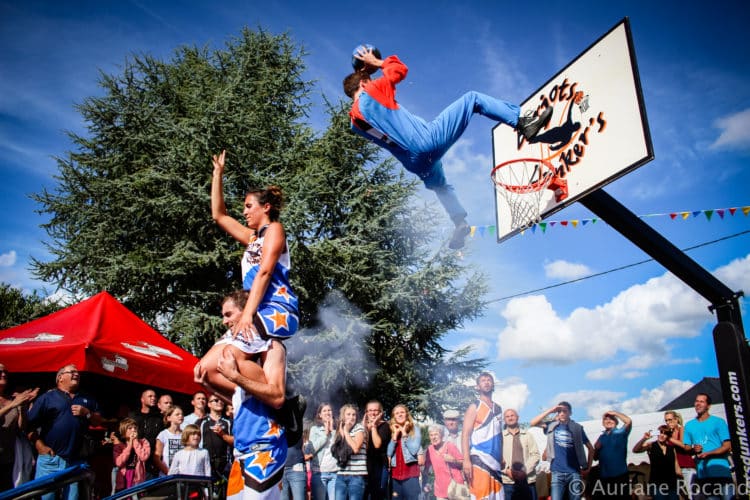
(279, 320)
(274, 429)
(282, 291)
(263, 459)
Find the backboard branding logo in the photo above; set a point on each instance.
(565, 142)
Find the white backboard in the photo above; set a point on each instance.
(598, 130)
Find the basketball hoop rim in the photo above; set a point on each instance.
(542, 183)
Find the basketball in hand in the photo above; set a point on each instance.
(359, 65)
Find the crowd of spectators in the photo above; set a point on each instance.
(485, 454)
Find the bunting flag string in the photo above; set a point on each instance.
(574, 223)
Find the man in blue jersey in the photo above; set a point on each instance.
(417, 144)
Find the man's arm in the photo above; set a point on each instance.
(590, 457)
(377, 438)
(725, 448)
(533, 453)
(627, 422)
(468, 427)
(538, 421)
(274, 367)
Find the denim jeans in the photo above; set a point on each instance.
(46, 465)
(350, 487)
(406, 489)
(427, 144)
(293, 484)
(323, 485)
(566, 481)
(508, 490)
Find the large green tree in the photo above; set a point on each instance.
(17, 307)
(131, 215)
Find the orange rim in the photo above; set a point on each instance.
(546, 175)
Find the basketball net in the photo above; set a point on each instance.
(522, 184)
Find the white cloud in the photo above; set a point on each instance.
(635, 367)
(735, 131)
(736, 274)
(8, 259)
(640, 320)
(512, 392)
(650, 400)
(566, 270)
(592, 404)
(589, 404)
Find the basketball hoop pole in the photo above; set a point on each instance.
(730, 344)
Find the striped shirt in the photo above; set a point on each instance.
(357, 464)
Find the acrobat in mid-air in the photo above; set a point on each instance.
(418, 144)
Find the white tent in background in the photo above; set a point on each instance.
(641, 423)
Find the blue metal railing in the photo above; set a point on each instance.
(55, 483)
(177, 487)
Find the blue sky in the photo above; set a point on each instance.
(631, 339)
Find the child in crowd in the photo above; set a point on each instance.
(169, 441)
(130, 454)
(191, 459)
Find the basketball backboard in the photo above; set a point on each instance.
(598, 131)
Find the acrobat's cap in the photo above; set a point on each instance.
(450, 414)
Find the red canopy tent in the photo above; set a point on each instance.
(100, 336)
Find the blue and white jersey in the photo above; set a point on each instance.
(279, 308)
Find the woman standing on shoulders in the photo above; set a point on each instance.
(403, 452)
(271, 310)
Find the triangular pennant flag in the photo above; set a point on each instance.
(472, 231)
(685, 215)
(745, 210)
(593, 221)
(585, 221)
(574, 222)
(672, 216)
(696, 213)
(491, 230)
(708, 213)
(481, 231)
(732, 210)
(564, 222)
(533, 229)
(543, 225)
(720, 212)
(552, 223)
